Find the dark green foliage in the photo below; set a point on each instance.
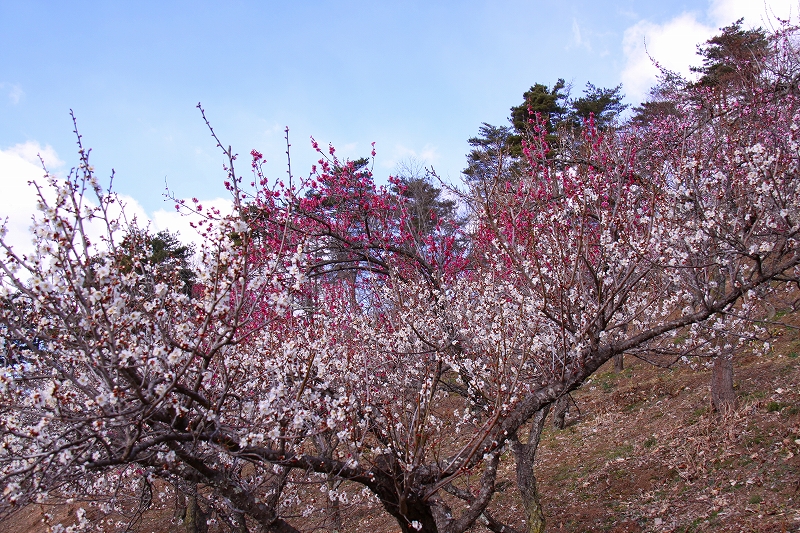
(550, 104)
(555, 108)
(731, 61)
(735, 55)
(497, 150)
(604, 104)
(646, 112)
(425, 204)
(167, 249)
(163, 251)
(355, 168)
(493, 153)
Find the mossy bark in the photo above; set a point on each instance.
(195, 519)
(526, 479)
(560, 411)
(723, 395)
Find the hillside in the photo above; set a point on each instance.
(649, 455)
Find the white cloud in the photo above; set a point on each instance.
(15, 94)
(755, 12)
(165, 220)
(673, 44)
(19, 199)
(31, 150)
(174, 221)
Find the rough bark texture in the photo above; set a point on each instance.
(413, 511)
(180, 506)
(279, 525)
(723, 397)
(334, 511)
(619, 363)
(195, 520)
(619, 359)
(560, 411)
(526, 480)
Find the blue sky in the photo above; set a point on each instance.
(417, 78)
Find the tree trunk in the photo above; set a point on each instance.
(560, 411)
(412, 517)
(279, 525)
(723, 397)
(526, 480)
(334, 511)
(412, 514)
(619, 359)
(195, 520)
(180, 505)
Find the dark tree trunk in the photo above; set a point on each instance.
(526, 480)
(723, 397)
(619, 359)
(325, 443)
(180, 505)
(241, 501)
(195, 520)
(405, 508)
(279, 525)
(560, 411)
(411, 512)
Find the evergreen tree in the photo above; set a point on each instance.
(495, 153)
(163, 251)
(733, 57)
(604, 105)
(550, 104)
(426, 206)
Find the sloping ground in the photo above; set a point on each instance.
(647, 454)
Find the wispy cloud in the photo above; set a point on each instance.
(671, 44)
(578, 39)
(585, 37)
(428, 155)
(13, 91)
(755, 12)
